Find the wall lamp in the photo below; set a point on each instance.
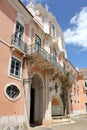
(27, 80)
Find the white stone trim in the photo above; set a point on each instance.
(77, 112)
(12, 121)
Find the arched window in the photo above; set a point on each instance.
(54, 54)
(55, 101)
(53, 31)
(37, 43)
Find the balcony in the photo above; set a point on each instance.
(38, 54)
(41, 57)
(18, 43)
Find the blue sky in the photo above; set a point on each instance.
(72, 18)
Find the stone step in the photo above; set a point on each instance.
(40, 128)
(61, 119)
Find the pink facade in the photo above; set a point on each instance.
(30, 57)
(7, 24)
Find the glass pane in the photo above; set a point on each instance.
(12, 71)
(37, 39)
(12, 66)
(17, 64)
(17, 26)
(13, 61)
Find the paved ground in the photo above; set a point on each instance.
(79, 123)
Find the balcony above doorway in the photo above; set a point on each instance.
(43, 59)
(38, 55)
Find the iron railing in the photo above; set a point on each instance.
(18, 43)
(35, 48)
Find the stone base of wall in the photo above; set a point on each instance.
(77, 112)
(13, 127)
(12, 123)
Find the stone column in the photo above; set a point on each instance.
(48, 100)
(27, 91)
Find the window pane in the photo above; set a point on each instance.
(16, 72)
(37, 39)
(19, 28)
(12, 71)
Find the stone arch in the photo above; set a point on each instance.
(55, 101)
(57, 107)
(36, 108)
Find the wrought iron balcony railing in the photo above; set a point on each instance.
(35, 48)
(18, 43)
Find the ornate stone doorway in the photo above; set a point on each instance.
(56, 106)
(36, 105)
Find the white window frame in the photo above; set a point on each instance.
(11, 75)
(12, 99)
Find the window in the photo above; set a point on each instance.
(85, 83)
(19, 30)
(64, 65)
(12, 92)
(75, 101)
(54, 54)
(15, 67)
(78, 91)
(37, 43)
(74, 91)
(71, 101)
(18, 36)
(86, 94)
(78, 102)
(53, 31)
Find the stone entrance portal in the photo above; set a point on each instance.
(56, 107)
(36, 104)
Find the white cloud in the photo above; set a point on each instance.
(77, 34)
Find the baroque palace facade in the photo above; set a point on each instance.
(37, 80)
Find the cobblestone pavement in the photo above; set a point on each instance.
(78, 123)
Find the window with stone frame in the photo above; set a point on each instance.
(53, 31)
(19, 30)
(37, 43)
(85, 83)
(86, 94)
(15, 68)
(54, 54)
(12, 92)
